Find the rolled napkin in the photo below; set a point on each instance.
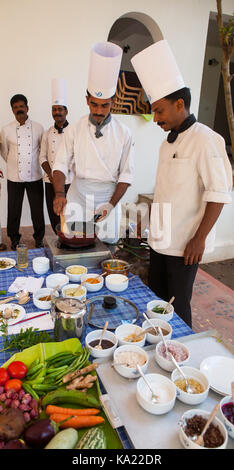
(29, 283)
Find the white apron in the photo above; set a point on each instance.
(84, 197)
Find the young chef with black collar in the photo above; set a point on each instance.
(101, 150)
(193, 181)
(50, 142)
(2, 245)
(20, 147)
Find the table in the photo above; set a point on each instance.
(137, 292)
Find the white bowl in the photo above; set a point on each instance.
(116, 282)
(92, 287)
(96, 334)
(228, 425)
(187, 442)
(191, 398)
(41, 264)
(130, 372)
(154, 339)
(54, 280)
(167, 364)
(161, 303)
(76, 277)
(163, 388)
(127, 329)
(43, 304)
(74, 286)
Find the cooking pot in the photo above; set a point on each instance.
(68, 316)
(81, 234)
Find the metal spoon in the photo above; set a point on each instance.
(163, 340)
(148, 320)
(154, 397)
(99, 345)
(188, 388)
(199, 439)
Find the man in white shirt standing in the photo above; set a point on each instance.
(50, 143)
(20, 148)
(100, 149)
(193, 181)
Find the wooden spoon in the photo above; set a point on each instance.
(169, 303)
(232, 389)
(199, 440)
(99, 345)
(63, 225)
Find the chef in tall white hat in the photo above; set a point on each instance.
(99, 148)
(193, 181)
(50, 143)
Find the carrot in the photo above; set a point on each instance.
(77, 421)
(50, 409)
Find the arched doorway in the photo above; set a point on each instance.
(133, 32)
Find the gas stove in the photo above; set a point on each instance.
(61, 256)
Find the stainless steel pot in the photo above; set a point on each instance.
(68, 315)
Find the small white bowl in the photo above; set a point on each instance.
(228, 425)
(74, 286)
(167, 364)
(116, 282)
(76, 277)
(163, 387)
(96, 334)
(161, 303)
(92, 287)
(154, 339)
(191, 398)
(127, 329)
(187, 442)
(43, 304)
(130, 372)
(54, 280)
(41, 264)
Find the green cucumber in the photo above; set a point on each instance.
(93, 439)
(65, 439)
(70, 396)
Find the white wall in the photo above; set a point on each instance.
(52, 38)
(210, 86)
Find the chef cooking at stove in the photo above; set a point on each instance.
(100, 149)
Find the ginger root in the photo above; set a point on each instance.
(79, 372)
(82, 382)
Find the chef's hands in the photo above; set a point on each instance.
(59, 203)
(194, 251)
(104, 210)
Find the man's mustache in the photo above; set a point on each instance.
(20, 112)
(98, 115)
(57, 115)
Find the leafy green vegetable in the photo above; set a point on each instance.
(25, 339)
(157, 309)
(2, 292)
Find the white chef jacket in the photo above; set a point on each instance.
(99, 164)
(20, 148)
(191, 171)
(49, 146)
(106, 159)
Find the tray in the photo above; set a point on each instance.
(147, 431)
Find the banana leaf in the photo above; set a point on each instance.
(45, 350)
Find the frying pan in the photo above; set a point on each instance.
(86, 236)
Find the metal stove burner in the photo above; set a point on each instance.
(62, 256)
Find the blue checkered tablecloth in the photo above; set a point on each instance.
(137, 292)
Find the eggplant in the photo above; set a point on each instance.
(38, 434)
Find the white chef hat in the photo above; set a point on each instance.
(104, 66)
(59, 92)
(157, 71)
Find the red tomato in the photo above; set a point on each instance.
(13, 384)
(17, 370)
(4, 376)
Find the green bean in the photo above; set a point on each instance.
(34, 363)
(42, 387)
(34, 370)
(29, 389)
